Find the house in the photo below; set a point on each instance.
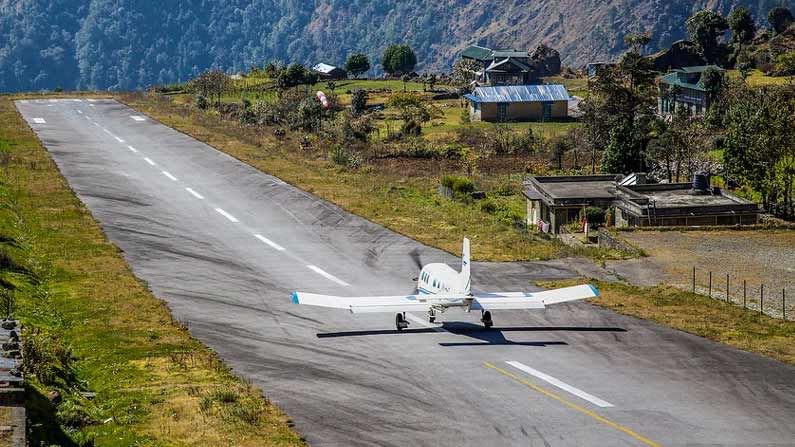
(328, 72)
(512, 67)
(518, 103)
(683, 87)
(555, 201)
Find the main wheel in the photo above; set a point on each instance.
(486, 319)
(400, 322)
(432, 319)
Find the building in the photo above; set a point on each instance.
(558, 200)
(518, 103)
(328, 72)
(555, 201)
(683, 87)
(504, 67)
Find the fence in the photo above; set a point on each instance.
(755, 296)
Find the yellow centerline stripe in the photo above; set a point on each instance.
(573, 406)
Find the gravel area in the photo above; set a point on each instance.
(758, 257)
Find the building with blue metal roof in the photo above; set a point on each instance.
(518, 103)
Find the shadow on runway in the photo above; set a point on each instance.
(487, 337)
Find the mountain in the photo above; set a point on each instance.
(130, 44)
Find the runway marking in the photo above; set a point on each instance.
(574, 406)
(327, 275)
(269, 242)
(79, 111)
(424, 323)
(118, 139)
(91, 105)
(24, 101)
(39, 121)
(96, 123)
(91, 100)
(132, 149)
(227, 215)
(168, 174)
(138, 118)
(106, 131)
(195, 194)
(87, 117)
(149, 160)
(53, 100)
(560, 384)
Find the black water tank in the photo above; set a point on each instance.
(700, 183)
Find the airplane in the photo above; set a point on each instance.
(439, 288)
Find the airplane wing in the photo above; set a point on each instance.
(375, 304)
(531, 300)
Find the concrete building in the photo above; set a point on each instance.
(518, 103)
(683, 88)
(555, 201)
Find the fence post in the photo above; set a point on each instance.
(762, 299)
(694, 279)
(784, 304)
(727, 288)
(710, 284)
(743, 294)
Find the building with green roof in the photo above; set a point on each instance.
(684, 88)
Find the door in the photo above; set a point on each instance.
(502, 111)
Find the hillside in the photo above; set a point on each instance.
(126, 44)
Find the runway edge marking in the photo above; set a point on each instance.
(560, 384)
(573, 406)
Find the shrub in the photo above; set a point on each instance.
(489, 206)
(358, 101)
(460, 185)
(595, 216)
(452, 151)
(202, 103)
(411, 128)
(345, 158)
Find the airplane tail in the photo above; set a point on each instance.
(465, 268)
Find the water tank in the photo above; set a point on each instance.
(700, 183)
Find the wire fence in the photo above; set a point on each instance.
(774, 302)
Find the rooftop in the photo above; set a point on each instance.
(324, 68)
(519, 93)
(676, 195)
(477, 53)
(570, 187)
(675, 78)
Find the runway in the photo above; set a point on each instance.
(225, 245)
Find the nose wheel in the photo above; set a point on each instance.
(400, 321)
(431, 315)
(486, 319)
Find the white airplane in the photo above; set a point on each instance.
(439, 288)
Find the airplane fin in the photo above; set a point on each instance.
(466, 281)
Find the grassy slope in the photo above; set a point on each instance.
(154, 384)
(408, 205)
(700, 315)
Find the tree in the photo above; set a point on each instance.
(742, 25)
(357, 64)
(412, 110)
(212, 84)
(294, 75)
(785, 64)
(398, 59)
(637, 41)
(714, 82)
(624, 152)
(465, 71)
(358, 101)
(780, 19)
(704, 28)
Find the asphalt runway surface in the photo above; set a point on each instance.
(225, 245)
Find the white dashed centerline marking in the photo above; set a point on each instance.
(560, 384)
(195, 194)
(327, 275)
(80, 111)
(424, 323)
(118, 139)
(168, 174)
(231, 218)
(138, 118)
(39, 121)
(132, 149)
(149, 160)
(273, 245)
(96, 123)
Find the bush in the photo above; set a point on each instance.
(460, 185)
(489, 206)
(345, 158)
(411, 128)
(358, 101)
(595, 216)
(202, 103)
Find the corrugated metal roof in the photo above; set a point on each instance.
(510, 53)
(324, 68)
(520, 93)
(477, 53)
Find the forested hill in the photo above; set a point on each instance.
(129, 44)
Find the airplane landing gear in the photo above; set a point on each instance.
(400, 321)
(431, 315)
(486, 319)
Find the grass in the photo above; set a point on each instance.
(406, 204)
(95, 327)
(757, 78)
(699, 315)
